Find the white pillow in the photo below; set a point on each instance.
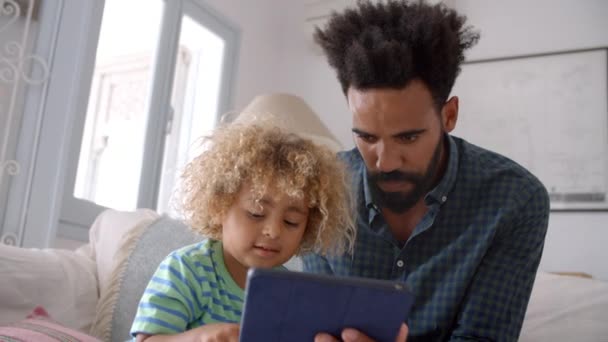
(106, 236)
(566, 308)
(63, 282)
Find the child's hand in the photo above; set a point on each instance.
(214, 332)
(218, 332)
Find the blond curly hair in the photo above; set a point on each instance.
(266, 156)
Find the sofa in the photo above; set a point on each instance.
(94, 290)
(78, 289)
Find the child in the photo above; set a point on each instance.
(261, 195)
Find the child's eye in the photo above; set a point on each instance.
(291, 223)
(256, 215)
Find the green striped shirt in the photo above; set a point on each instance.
(190, 288)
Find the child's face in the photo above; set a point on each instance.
(264, 233)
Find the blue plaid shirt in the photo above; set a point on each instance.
(472, 259)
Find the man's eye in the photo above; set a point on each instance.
(408, 138)
(367, 138)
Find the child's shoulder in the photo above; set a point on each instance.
(196, 252)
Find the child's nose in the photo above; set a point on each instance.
(272, 229)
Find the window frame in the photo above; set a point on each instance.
(49, 209)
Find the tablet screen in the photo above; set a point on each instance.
(294, 306)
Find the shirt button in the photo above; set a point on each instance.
(444, 198)
(399, 263)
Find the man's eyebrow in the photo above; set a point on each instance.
(360, 132)
(410, 132)
(400, 134)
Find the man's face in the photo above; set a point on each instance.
(400, 136)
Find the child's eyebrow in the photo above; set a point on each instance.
(264, 201)
(297, 209)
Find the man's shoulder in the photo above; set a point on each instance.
(482, 165)
(352, 158)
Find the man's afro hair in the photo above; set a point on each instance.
(386, 44)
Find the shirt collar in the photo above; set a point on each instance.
(367, 193)
(439, 194)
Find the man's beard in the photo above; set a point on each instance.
(399, 202)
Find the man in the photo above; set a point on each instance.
(462, 226)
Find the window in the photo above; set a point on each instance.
(112, 146)
(195, 101)
(140, 128)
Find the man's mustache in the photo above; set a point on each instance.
(396, 176)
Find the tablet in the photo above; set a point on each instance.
(282, 305)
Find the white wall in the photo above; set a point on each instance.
(575, 241)
(304, 72)
(259, 23)
(521, 27)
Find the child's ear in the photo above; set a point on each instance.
(217, 226)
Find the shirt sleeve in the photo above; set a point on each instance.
(498, 296)
(169, 302)
(314, 263)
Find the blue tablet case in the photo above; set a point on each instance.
(295, 306)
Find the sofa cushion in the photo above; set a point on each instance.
(39, 327)
(140, 253)
(566, 308)
(106, 237)
(62, 281)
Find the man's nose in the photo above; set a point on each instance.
(387, 159)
